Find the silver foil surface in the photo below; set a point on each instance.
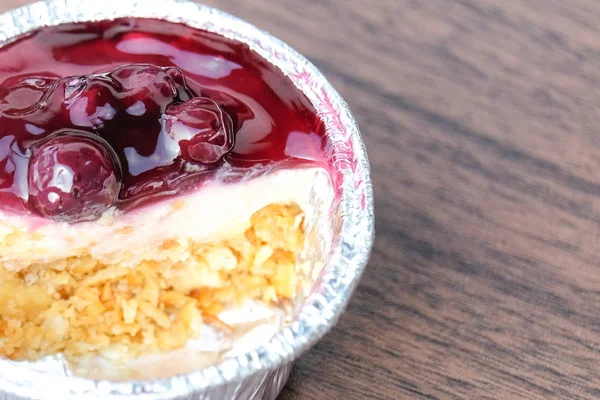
(336, 256)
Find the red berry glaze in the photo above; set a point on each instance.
(171, 107)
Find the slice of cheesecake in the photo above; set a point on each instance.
(149, 181)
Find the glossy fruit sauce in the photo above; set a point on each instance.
(120, 113)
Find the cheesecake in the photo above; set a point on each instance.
(152, 177)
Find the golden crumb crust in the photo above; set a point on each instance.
(81, 307)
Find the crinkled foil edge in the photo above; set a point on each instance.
(353, 216)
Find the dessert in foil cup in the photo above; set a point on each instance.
(251, 358)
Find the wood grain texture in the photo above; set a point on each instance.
(481, 119)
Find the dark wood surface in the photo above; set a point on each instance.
(481, 118)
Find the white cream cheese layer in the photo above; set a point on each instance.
(210, 213)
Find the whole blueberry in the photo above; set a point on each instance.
(201, 129)
(73, 176)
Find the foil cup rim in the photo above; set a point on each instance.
(350, 249)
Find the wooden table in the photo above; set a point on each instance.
(482, 122)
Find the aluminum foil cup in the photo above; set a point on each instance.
(262, 372)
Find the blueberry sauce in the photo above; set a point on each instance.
(122, 113)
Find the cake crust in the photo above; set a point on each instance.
(81, 307)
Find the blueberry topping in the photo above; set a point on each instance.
(119, 114)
